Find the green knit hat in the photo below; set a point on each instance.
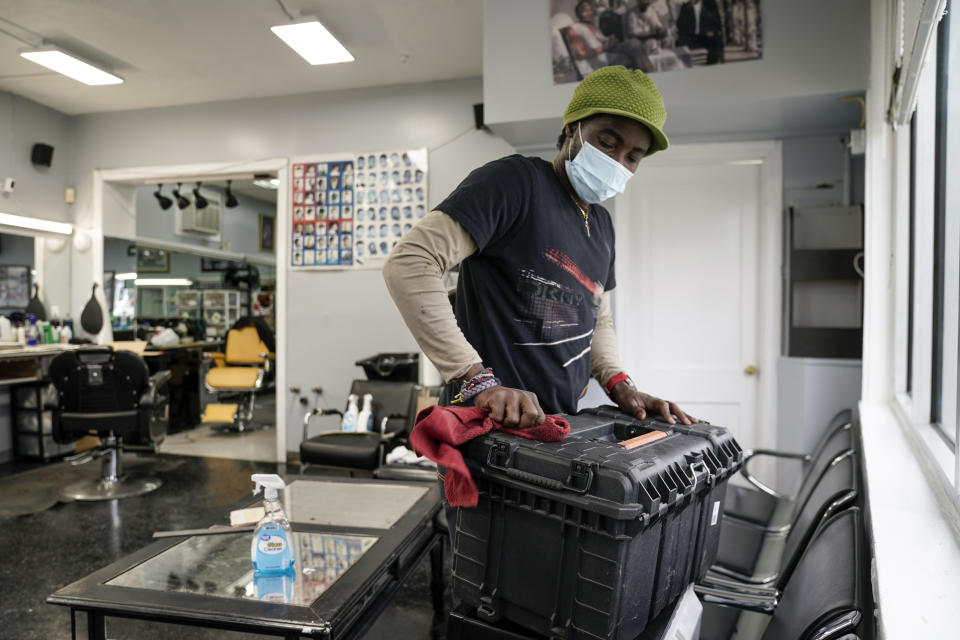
(621, 92)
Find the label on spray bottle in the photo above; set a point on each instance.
(273, 549)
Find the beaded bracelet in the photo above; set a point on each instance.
(476, 385)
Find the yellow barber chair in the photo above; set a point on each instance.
(238, 372)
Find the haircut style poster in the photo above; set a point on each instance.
(350, 212)
(651, 35)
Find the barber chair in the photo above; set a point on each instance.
(110, 394)
(239, 372)
(394, 413)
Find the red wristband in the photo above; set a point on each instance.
(615, 380)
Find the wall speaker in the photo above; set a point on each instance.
(41, 154)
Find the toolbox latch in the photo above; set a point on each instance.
(581, 477)
(499, 455)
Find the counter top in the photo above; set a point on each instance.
(11, 350)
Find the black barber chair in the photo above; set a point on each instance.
(112, 395)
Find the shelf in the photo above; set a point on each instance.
(826, 342)
(823, 264)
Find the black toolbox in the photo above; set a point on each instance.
(593, 536)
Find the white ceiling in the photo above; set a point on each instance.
(172, 52)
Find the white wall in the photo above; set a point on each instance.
(333, 318)
(39, 190)
(811, 49)
(240, 225)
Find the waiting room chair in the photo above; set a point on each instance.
(238, 371)
(826, 598)
(110, 394)
(768, 507)
(394, 411)
(749, 555)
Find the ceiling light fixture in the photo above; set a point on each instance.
(182, 201)
(35, 223)
(70, 66)
(198, 199)
(165, 202)
(162, 282)
(126, 276)
(231, 199)
(266, 181)
(313, 42)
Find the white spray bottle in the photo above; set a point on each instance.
(272, 549)
(365, 419)
(349, 422)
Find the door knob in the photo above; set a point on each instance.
(751, 370)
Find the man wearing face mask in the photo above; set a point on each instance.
(532, 321)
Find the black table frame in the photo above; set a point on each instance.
(345, 611)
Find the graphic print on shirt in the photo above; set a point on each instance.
(551, 310)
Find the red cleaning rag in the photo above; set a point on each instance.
(439, 430)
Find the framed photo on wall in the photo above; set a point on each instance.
(150, 260)
(267, 229)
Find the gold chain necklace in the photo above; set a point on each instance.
(583, 212)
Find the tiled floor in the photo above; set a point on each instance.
(50, 549)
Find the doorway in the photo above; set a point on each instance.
(213, 263)
(698, 297)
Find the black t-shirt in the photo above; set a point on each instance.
(528, 299)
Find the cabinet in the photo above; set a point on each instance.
(188, 304)
(32, 424)
(824, 282)
(221, 308)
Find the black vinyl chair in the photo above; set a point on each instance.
(742, 543)
(110, 394)
(826, 598)
(766, 506)
(394, 411)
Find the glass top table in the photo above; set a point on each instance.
(219, 565)
(354, 542)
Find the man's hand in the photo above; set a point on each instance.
(637, 403)
(511, 407)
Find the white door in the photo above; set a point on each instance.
(688, 297)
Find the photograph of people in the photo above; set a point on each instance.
(308, 242)
(360, 163)
(650, 35)
(309, 213)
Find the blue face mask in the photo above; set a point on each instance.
(595, 176)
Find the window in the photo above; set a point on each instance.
(932, 247)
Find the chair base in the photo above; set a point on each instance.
(237, 427)
(110, 489)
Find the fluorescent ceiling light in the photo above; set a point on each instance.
(269, 183)
(313, 42)
(162, 282)
(36, 223)
(125, 276)
(71, 66)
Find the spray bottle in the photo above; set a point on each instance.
(365, 419)
(349, 422)
(272, 549)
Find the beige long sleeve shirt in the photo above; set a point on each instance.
(414, 276)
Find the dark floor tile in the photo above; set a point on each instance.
(48, 550)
